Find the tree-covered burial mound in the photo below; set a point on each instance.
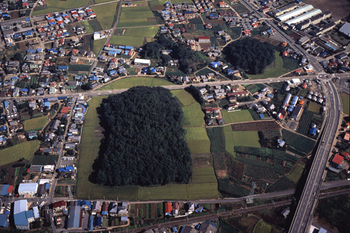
(144, 140)
(250, 55)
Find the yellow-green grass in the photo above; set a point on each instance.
(105, 14)
(54, 5)
(24, 150)
(102, 1)
(98, 45)
(157, 2)
(239, 138)
(197, 140)
(127, 40)
(136, 81)
(193, 115)
(262, 227)
(273, 70)
(87, 26)
(178, 1)
(203, 184)
(314, 107)
(136, 16)
(345, 98)
(238, 116)
(184, 97)
(296, 173)
(35, 123)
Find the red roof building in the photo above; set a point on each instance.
(338, 159)
(345, 154)
(167, 207)
(59, 204)
(65, 110)
(10, 189)
(208, 110)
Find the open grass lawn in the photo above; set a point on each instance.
(87, 26)
(35, 123)
(275, 69)
(239, 138)
(346, 103)
(193, 114)
(239, 116)
(105, 14)
(55, 5)
(24, 150)
(197, 140)
(136, 81)
(95, 25)
(136, 16)
(262, 227)
(314, 107)
(296, 173)
(127, 40)
(97, 45)
(203, 184)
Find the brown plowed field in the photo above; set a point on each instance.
(256, 126)
(339, 8)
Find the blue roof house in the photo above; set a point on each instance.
(4, 221)
(73, 217)
(91, 222)
(21, 221)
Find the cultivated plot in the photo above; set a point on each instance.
(24, 150)
(136, 81)
(239, 138)
(136, 16)
(237, 116)
(54, 5)
(35, 123)
(105, 14)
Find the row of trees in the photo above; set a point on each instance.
(249, 54)
(144, 140)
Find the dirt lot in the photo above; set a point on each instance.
(339, 8)
(201, 160)
(269, 40)
(8, 173)
(256, 126)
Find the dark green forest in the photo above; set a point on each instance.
(250, 55)
(144, 140)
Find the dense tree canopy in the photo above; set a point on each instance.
(250, 55)
(144, 140)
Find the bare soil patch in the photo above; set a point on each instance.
(256, 126)
(150, 19)
(98, 132)
(221, 174)
(157, 7)
(339, 8)
(201, 160)
(268, 40)
(22, 46)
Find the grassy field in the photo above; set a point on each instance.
(203, 184)
(157, 2)
(136, 16)
(98, 45)
(135, 81)
(314, 107)
(87, 26)
(101, 1)
(346, 103)
(296, 173)
(36, 123)
(95, 25)
(135, 36)
(105, 14)
(193, 114)
(197, 140)
(300, 143)
(239, 116)
(239, 138)
(24, 150)
(54, 5)
(262, 227)
(273, 70)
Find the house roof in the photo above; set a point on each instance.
(20, 219)
(4, 222)
(28, 187)
(73, 217)
(338, 159)
(20, 206)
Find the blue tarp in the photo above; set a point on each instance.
(4, 190)
(261, 116)
(6, 103)
(313, 131)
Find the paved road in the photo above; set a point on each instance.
(309, 196)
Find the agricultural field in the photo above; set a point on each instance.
(256, 126)
(299, 143)
(87, 26)
(198, 188)
(135, 81)
(346, 103)
(305, 122)
(54, 5)
(217, 139)
(95, 25)
(44, 160)
(97, 45)
(197, 140)
(24, 150)
(277, 68)
(77, 68)
(240, 9)
(35, 123)
(157, 2)
(136, 16)
(262, 227)
(135, 36)
(314, 107)
(105, 14)
(239, 138)
(296, 173)
(237, 116)
(101, 1)
(252, 88)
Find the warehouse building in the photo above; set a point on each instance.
(314, 20)
(303, 17)
(327, 27)
(27, 188)
(285, 9)
(295, 13)
(345, 29)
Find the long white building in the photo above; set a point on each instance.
(303, 17)
(295, 12)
